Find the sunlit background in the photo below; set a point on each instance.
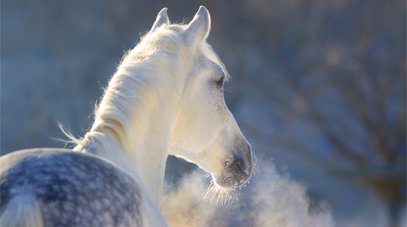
(318, 85)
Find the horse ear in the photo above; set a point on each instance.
(198, 28)
(162, 19)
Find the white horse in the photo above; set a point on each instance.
(166, 98)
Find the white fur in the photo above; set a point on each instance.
(164, 100)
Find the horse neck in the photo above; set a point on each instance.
(142, 154)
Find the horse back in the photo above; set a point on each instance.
(59, 187)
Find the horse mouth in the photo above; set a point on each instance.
(235, 173)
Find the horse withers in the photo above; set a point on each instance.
(166, 98)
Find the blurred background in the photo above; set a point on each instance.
(318, 85)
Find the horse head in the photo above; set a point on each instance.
(204, 130)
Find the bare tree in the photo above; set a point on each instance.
(357, 105)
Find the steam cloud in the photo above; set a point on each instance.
(270, 199)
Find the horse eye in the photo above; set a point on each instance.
(221, 81)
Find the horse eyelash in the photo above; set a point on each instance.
(221, 81)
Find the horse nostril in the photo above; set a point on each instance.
(239, 167)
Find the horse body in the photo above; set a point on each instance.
(165, 98)
(72, 189)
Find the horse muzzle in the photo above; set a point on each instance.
(237, 170)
